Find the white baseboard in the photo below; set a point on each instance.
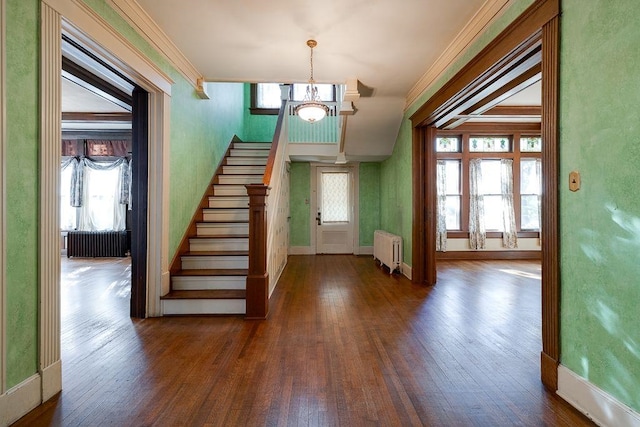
(366, 250)
(595, 403)
(51, 380)
(406, 270)
(302, 250)
(19, 400)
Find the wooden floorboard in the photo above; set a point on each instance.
(345, 344)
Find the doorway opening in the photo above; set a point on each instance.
(103, 170)
(527, 47)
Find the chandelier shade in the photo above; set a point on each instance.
(312, 109)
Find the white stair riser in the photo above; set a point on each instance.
(231, 161)
(228, 202)
(203, 306)
(190, 283)
(243, 170)
(249, 153)
(203, 230)
(225, 215)
(252, 145)
(196, 245)
(229, 190)
(214, 262)
(240, 179)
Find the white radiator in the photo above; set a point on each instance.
(387, 248)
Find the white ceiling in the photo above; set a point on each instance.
(386, 44)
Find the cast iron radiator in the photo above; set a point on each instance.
(91, 244)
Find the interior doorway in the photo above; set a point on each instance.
(105, 149)
(529, 45)
(334, 210)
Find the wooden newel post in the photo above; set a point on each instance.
(258, 277)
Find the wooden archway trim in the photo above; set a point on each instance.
(541, 19)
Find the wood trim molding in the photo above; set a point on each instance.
(488, 13)
(488, 255)
(49, 238)
(550, 212)
(257, 299)
(140, 20)
(3, 224)
(109, 44)
(521, 29)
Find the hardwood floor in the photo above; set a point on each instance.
(345, 344)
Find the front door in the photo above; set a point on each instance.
(334, 210)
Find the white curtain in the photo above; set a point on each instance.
(441, 207)
(68, 213)
(102, 190)
(510, 233)
(477, 233)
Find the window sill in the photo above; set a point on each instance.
(264, 111)
(490, 234)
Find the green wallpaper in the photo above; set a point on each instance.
(299, 204)
(600, 224)
(369, 200)
(257, 128)
(22, 70)
(396, 194)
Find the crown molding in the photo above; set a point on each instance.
(140, 20)
(486, 15)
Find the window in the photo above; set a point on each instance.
(266, 97)
(454, 154)
(335, 197)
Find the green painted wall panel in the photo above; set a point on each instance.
(22, 76)
(299, 204)
(600, 224)
(369, 201)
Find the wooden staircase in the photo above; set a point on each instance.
(213, 263)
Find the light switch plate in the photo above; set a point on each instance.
(574, 181)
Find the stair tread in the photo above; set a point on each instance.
(221, 236)
(213, 272)
(223, 222)
(216, 253)
(206, 294)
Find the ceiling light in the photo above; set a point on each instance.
(312, 109)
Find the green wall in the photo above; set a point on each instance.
(300, 196)
(600, 224)
(396, 192)
(369, 201)
(257, 128)
(21, 239)
(299, 204)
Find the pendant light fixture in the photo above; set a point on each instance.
(312, 109)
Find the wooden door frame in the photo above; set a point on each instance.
(541, 19)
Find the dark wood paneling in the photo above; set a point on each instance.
(258, 277)
(550, 210)
(419, 242)
(139, 197)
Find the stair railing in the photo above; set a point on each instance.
(268, 227)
